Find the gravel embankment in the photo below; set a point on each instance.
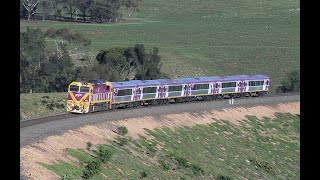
(37, 132)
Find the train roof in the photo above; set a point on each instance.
(134, 83)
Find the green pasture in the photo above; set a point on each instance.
(42, 104)
(205, 38)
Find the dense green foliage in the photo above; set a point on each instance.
(290, 83)
(44, 70)
(119, 64)
(267, 148)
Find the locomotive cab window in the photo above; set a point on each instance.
(229, 84)
(84, 89)
(200, 86)
(149, 89)
(124, 92)
(256, 83)
(74, 88)
(175, 88)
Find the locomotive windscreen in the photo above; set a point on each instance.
(84, 89)
(74, 88)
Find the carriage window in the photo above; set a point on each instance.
(175, 88)
(108, 88)
(256, 83)
(124, 92)
(229, 84)
(74, 88)
(149, 90)
(217, 85)
(200, 86)
(84, 89)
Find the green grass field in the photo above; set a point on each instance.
(267, 148)
(205, 38)
(42, 104)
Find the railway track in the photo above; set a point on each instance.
(32, 122)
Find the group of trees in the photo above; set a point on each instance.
(42, 69)
(49, 68)
(89, 10)
(124, 63)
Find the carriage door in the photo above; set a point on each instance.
(267, 84)
(108, 92)
(245, 86)
(161, 91)
(241, 86)
(137, 93)
(215, 88)
(185, 90)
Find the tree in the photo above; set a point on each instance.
(33, 54)
(291, 82)
(47, 8)
(150, 64)
(130, 5)
(57, 8)
(115, 62)
(83, 6)
(30, 6)
(105, 10)
(125, 63)
(71, 6)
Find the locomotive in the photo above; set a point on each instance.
(100, 95)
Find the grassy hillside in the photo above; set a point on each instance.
(42, 104)
(205, 38)
(267, 148)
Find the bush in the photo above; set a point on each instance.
(182, 162)
(143, 174)
(197, 170)
(104, 153)
(122, 130)
(221, 177)
(165, 166)
(291, 83)
(91, 168)
(122, 141)
(89, 144)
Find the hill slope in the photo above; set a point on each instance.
(205, 38)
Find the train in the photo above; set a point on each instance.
(100, 95)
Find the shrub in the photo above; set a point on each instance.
(122, 130)
(143, 174)
(104, 153)
(182, 162)
(221, 177)
(197, 170)
(91, 168)
(122, 141)
(165, 166)
(291, 83)
(89, 144)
